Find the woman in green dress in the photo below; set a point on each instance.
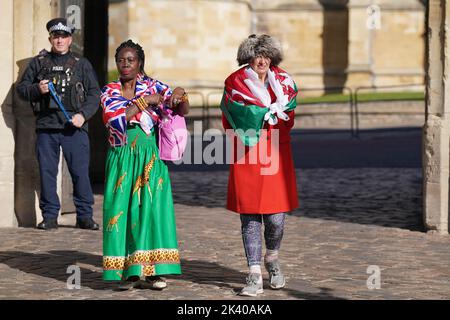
(139, 231)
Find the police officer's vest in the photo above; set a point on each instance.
(66, 80)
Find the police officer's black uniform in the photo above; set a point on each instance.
(76, 84)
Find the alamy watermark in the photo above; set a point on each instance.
(374, 280)
(73, 15)
(74, 280)
(373, 17)
(213, 147)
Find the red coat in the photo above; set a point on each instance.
(251, 192)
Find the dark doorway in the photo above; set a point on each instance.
(96, 51)
(335, 43)
(90, 39)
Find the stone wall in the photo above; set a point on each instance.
(436, 129)
(326, 42)
(117, 28)
(190, 43)
(399, 46)
(30, 36)
(7, 125)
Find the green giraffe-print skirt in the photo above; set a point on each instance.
(139, 231)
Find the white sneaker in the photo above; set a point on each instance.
(154, 282)
(254, 285)
(276, 277)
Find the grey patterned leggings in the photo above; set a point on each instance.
(251, 234)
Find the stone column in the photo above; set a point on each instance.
(30, 36)
(7, 125)
(359, 71)
(436, 129)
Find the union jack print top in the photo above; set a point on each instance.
(114, 106)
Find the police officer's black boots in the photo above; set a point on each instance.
(48, 224)
(87, 223)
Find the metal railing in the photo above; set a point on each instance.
(203, 102)
(337, 89)
(208, 96)
(375, 88)
(352, 101)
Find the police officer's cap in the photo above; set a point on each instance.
(60, 26)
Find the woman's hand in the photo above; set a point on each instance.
(153, 99)
(180, 101)
(177, 97)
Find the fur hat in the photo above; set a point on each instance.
(262, 45)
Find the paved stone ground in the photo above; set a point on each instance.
(360, 206)
(349, 219)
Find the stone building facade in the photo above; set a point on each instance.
(326, 42)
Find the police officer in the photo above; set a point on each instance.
(76, 85)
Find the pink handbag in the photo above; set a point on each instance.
(172, 136)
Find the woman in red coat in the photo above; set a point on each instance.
(258, 110)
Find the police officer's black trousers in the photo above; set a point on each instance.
(75, 146)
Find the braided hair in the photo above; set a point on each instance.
(139, 51)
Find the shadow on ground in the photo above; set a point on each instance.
(53, 264)
(211, 273)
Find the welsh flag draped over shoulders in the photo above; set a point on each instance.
(246, 103)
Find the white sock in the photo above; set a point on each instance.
(256, 268)
(271, 255)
